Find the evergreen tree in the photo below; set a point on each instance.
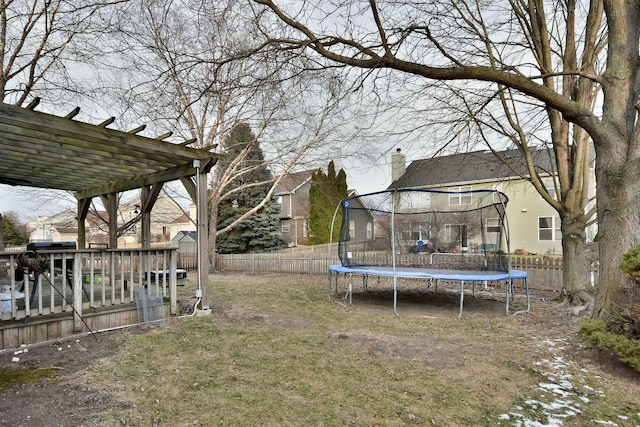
(12, 230)
(259, 232)
(324, 196)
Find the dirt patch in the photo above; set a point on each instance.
(58, 400)
(253, 315)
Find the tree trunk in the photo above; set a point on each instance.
(213, 234)
(577, 256)
(618, 222)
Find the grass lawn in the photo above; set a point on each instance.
(275, 351)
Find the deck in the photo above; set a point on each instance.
(42, 304)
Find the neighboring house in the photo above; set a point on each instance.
(164, 212)
(292, 193)
(185, 222)
(63, 227)
(361, 220)
(533, 224)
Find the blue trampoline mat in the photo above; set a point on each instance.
(462, 276)
(430, 273)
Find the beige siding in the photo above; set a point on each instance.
(524, 208)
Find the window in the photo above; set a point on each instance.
(304, 228)
(497, 198)
(369, 230)
(549, 184)
(352, 229)
(415, 199)
(285, 226)
(549, 228)
(460, 197)
(492, 225)
(453, 232)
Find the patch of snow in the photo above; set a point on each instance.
(558, 398)
(604, 423)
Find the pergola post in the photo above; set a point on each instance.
(83, 210)
(203, 237)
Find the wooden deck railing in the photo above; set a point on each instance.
(83, 281)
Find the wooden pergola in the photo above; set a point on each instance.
(52, 152)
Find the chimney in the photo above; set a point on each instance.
(398, 165)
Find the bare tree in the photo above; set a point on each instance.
(188, 68)
(530, 49)
(41, 45)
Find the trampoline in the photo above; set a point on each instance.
(432, 235)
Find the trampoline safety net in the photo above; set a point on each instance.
(454, 230)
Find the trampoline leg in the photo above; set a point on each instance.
(350, 289)
(507, 287)
(329, 286)
(461, 298)
(526, 286)
(395, 295)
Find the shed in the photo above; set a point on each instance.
(185, 241)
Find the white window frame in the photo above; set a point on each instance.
(458, 198)
(452, 232)
(286, 227)
(549, 185)
(556, 232)
(492, 223)
(352, 229)
(496, 197)
(369, 230)
(415, 199)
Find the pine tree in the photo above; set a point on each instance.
(12, 234)
(259, 232)
(324, 196)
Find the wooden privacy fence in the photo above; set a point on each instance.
(545, 273)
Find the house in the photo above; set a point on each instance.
(292, 194)
(533, 224)
(63, 226)
(165, 211)
(185, 222)
(361, 220)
